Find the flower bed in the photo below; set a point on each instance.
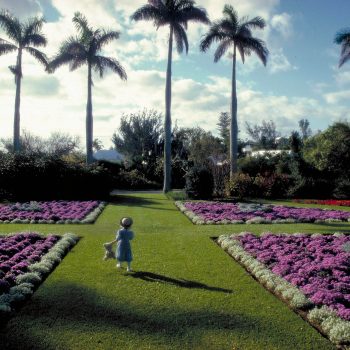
(239, 213)
(53, 212)
(25, 260)
(309, 272)
(338, 202)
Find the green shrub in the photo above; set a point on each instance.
(199, 183)
(240, 186)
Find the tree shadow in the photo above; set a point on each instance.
(153, 277)
(67, 315)
(134, 201)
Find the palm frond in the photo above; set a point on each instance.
(255, 45)
(60, 60)
(101, 62)
(11, 26)
(6, 47)
(72, 45)
(35, 39)
(77, 62)
(230, 13)
(242, 52)
(345, 54)
(194, 14)
(148, 13)
(215, 34)
(254, 23)
(342, 36)
(32, 26)
(180, 38)
(221, 50)
(82, 25)
(105, 38)
(38, 55)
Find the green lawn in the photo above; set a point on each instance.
(185, 293)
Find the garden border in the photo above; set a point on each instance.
(27, 283)
(322, 318)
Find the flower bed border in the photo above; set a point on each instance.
(324, 319)
(90, 218)
(197, 220)
(27, 283)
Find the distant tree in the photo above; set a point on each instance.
(97, 145)
(264, 135)
(295, 142)
(86, 49)
(305, 130)
(204, 147)
(330, 149)
(26, 36)
(224, 128)
(343, 38)
(232, 32)
(57, 144)
(139, 135)
(176, 14)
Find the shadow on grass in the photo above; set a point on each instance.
(71, 316)
(153, 277)
(134, 201)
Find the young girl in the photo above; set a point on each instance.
(123, 238)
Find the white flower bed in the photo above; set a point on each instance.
(26, 283)
(323, 318)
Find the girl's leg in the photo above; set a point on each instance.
(129, 266)
(119, 264)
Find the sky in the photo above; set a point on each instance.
(301, 79)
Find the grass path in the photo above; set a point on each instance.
(185, 293)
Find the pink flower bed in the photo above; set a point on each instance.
(17, 252)
(49, 212)
(318, 265)
(219, 212)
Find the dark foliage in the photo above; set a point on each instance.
(28, 177)
(199, 183)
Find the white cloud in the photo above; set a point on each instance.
(336, 97)
(282, 23)
(278, 62)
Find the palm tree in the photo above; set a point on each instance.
(85, 49)
(24, 36)
(236, 33)
(343, 38)
(176, 14)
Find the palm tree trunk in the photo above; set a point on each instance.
(167, 123)
(233, 124)
(17, 117)
(89, 120)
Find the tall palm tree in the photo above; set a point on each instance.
(343, 38)
(85, 49)
(235, 33)
(24, 36)
(175, 14)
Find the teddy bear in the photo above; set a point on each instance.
(109, 253)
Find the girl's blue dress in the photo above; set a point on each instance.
(123, 252)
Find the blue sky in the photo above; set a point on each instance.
(301, 79)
